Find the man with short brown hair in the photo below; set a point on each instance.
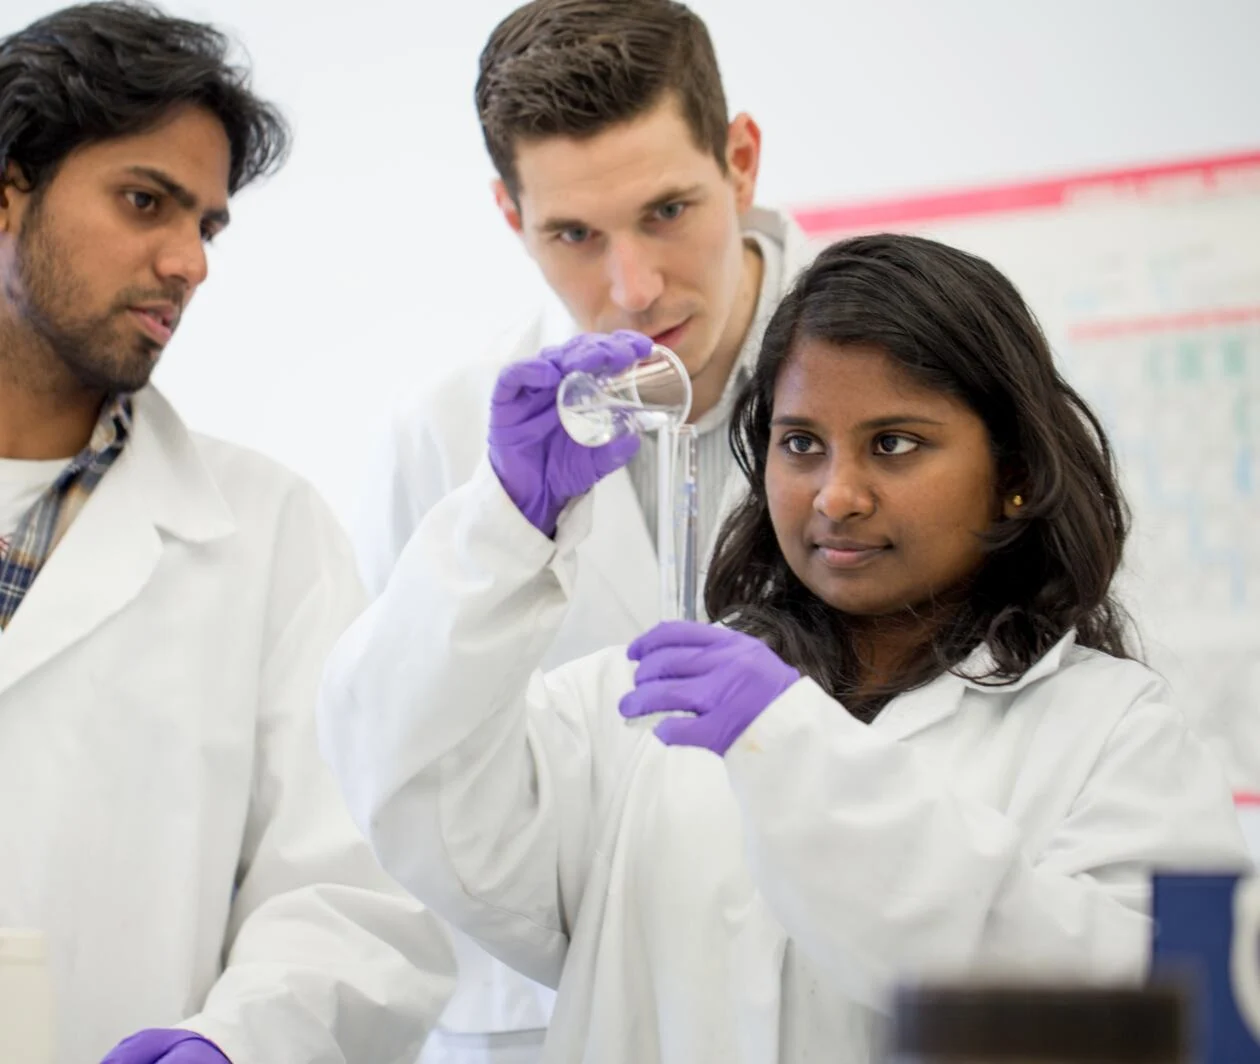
(633, 191)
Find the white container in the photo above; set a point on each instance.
(1244, 955)
(26, 998)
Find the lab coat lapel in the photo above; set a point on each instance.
(105, 558)
(112, 548)
(620, 551)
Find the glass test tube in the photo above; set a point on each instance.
(676, 517)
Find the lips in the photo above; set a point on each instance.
(669, 336)
(848, 545)
(848, 553)
(157, 319)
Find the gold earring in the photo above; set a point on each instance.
(1017, 501)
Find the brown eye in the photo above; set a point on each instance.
(891, 444)
(798, 444)
(143, 201)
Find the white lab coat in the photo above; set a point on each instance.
(757, 907)
(167, 820)
(436, 442)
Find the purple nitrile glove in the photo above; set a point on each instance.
(160, 1045)
(724, 678)
(537, 463)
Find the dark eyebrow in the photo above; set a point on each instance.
(899, 419)
(218, 215)
(559, 225)
(672, 196)
(789, 421)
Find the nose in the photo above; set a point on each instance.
(182, 258)
(845, 491)
(636, 282)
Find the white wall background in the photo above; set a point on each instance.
(377, 255)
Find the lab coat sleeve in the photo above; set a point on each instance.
(326, 960)
(480, 782)
(882, 870)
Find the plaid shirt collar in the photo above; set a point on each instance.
(44, 524)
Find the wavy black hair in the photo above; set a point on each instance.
(958, 326)
(98, 71)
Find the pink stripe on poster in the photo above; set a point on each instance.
(1241, 169)
(1163, 323)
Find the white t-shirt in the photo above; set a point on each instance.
(21, 483)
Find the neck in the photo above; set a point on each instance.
(43, 414)
(707, 386)
(885, 646)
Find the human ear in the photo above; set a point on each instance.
(743, 158)
(508, 206)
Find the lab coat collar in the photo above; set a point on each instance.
(175, 487)
(920, 709)
(625, 546)
(780, 228)
(980, 662)
(108, 555)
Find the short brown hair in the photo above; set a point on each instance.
(575, 67)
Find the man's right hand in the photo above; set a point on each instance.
(537, 463)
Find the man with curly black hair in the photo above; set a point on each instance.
(166, 600)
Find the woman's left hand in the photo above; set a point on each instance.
(723, 678)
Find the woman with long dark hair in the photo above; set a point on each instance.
(946, 323)
(913, 743)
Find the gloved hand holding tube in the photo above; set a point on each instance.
(717, 680)
(540, 467)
